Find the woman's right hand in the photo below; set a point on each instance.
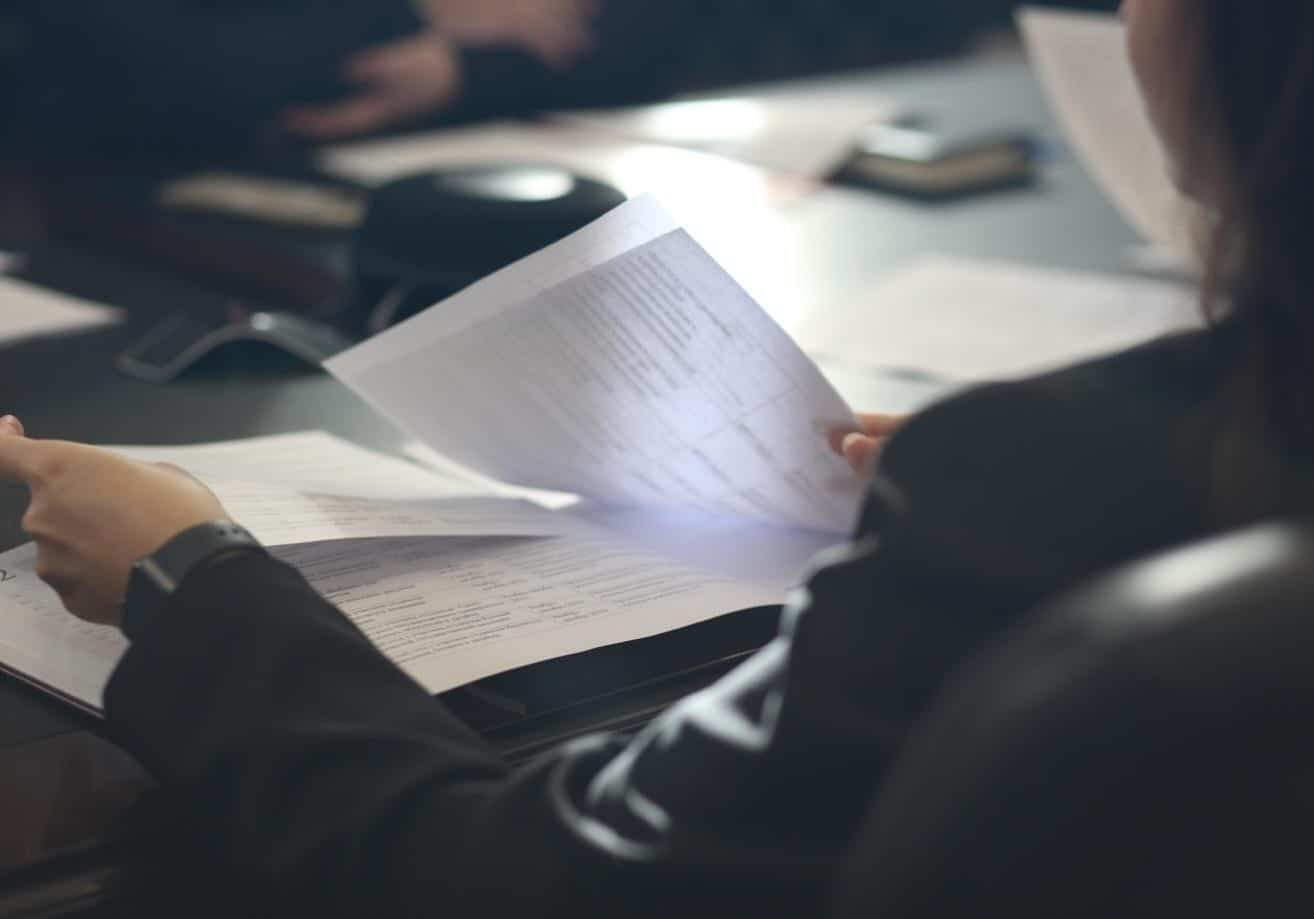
(861, 445)
(94, 514)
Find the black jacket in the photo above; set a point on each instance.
(330, 784)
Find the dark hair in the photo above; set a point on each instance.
(1258, 65)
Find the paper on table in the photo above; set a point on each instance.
(969, 320)
(27, 311)
(447, 611)
(451, 612)
(808, 133)
(1082, 62)
(312, 487)
(41, 643)
(625, 365)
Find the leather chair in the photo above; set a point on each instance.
(1145, 747)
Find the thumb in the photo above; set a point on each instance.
(861, 450)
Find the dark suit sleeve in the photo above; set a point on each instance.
(334, 785)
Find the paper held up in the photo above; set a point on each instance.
(1082, 62)
(28, 311)
(625, 365)
(968, 321)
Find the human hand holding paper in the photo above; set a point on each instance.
(625, 365)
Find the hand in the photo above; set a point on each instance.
(399, 82)
(556, 31)
(862, 445)
(94, 515)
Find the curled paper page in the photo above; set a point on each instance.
(1082, 62)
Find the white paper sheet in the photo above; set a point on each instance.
(1082, 62)
(312, 487)
(449, 611)
(625, 365)
(808, 133)
(28, 311)
(971, 321)
(42, 643)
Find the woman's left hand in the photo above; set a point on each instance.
(94, 514)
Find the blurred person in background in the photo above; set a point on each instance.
(216, 76)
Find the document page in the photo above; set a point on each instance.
(312, 487)
(625, 365)
(43, 644)
(448, 611)
(1082, 62)
(970, 321)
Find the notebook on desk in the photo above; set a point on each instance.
(664, 436)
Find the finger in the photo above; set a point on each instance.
(872, 425)
(11, 425)
(18, 456)
(880, 425)
(860, 451)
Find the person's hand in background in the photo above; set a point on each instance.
(413, 77)
(94, 514)
(396, 83)
(862, 445)
(556, 31)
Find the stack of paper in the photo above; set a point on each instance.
(623, 365)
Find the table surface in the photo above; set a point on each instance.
(838, 242)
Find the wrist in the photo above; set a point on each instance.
(158, 576)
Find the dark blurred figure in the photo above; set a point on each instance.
(218, 75)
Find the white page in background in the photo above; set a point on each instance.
(652, 379)
(975, 321)
(809, 133)
(313, 487)
(41, 642)
(27, 311)
(1083, 65)
(452, 612)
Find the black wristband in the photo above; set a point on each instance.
(158, 576)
